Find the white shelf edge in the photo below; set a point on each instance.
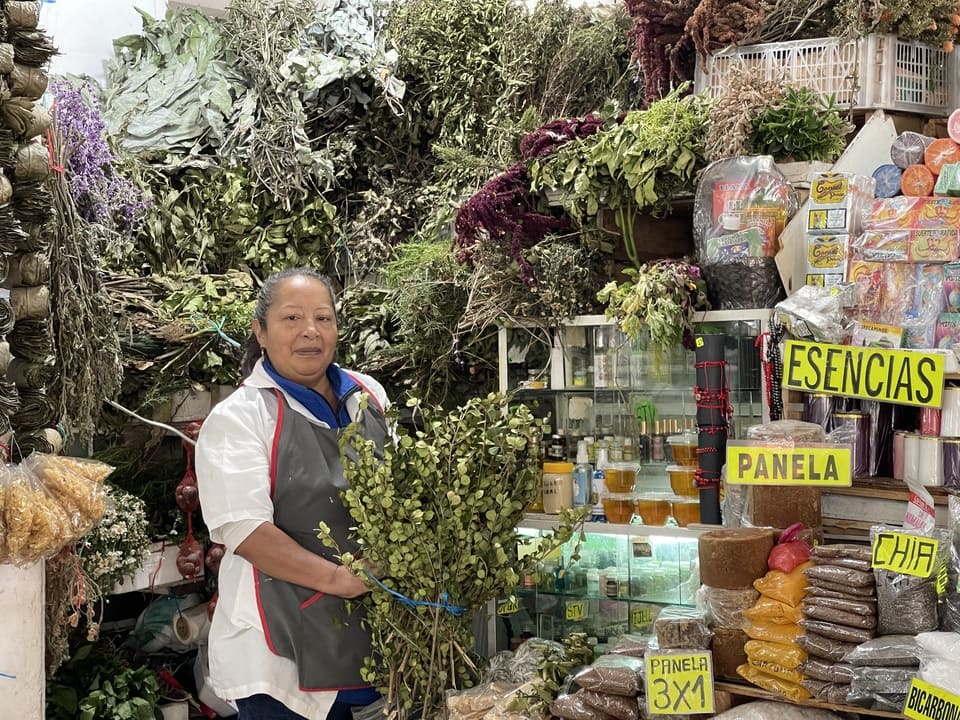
(540, 521)
(705, 316)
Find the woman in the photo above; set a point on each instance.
(283, 643)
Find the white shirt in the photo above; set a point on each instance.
(233, 477)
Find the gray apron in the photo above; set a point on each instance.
(327, 642)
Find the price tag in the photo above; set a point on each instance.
(904, 553)
(680, 683)
(510, 606)
(576, 610)
(641, 617)
(927, 702)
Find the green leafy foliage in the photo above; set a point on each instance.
(98, 684)
(638, 162)
(437, 517)
(803, 125)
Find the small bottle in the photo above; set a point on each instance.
(657, 444)
(615, 445)
(598, 487)
(628, 449)
(591, 448)
(643, 443)
(601, 357)
(582, 476)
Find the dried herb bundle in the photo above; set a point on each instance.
(716, 24)
(88, 349)
(663, 50)
(745, 97)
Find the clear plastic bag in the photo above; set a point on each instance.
(788, 588)
(612, 674)
(886, 651)
(616, 706)
(825, 647)
(950, 605)
(840, 575)
(474, 703)
(36, 525)
(793, 691)
(908, 605)
(828, 692)
(725, 608)
(787, 431)
(840, 617)
(770, 610)
(631, 645)
(841, 550)
(881, 688)
(685, 628)
(788, 656)
(838, 632)
(528, 657)
(940, 660)
(816, 313)
(828, 671)
(75, 483)
(773, 632)
(573, 707)
(851, 591)
(820, 592)
(859, 607)
(767, 709)
(741, 206)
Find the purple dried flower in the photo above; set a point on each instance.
(546, 139)
(101, 193)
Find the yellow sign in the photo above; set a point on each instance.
(819, 466)
(641, 617)
(896, 376)
(927, 702)
(679, 684)
(904, 553)
(576, 610)
(510, 606)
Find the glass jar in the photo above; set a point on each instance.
(557, 487)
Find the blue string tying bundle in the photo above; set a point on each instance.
(455, 610)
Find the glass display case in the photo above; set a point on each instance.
(624, 576)
(590, 382)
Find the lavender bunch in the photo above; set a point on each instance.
(101, 193)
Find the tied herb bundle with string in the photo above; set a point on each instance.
(37, 410)
(88, 347)
(6, 316)
(437, 516)
(9, 405)
(31, 339)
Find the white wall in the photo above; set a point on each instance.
(84, 30)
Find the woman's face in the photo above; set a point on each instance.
(300, 334)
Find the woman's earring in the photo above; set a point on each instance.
(263, 351)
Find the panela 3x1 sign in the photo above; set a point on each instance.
(896, 376)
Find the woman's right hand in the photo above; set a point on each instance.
(347, 585)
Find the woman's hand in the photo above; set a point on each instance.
(347, 585)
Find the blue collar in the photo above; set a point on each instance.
(340, 381)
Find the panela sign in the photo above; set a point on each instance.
(679, 683)
(755, 463)
(896, 376)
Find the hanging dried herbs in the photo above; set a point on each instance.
(664, 52)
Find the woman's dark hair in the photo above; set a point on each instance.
(251, 348)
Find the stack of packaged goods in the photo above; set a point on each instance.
(834, 216)
(612, 687)
(774, 656)
(883, 669)
(840, 613)
(730, 561)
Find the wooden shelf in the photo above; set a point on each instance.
(755, 692)
(886, 489)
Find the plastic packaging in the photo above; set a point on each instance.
(828, 671)
(840, 575)
(815, 313)
(908, 605)
(616, 706)
(474, 703)
(684, 628)
(736, 195)
(789, 551)
(774, 611)
(881, 688)
(789, 588)
(840, 617)
(790, 690)
(940, 660)
(838, 632)
(788, 656)
(530, 656)
(847, 591)
(794, 432)
(840, 550)
(825, 647)
(858, 607)
(612, 674)
(573, 707)
(886, 651)
(950, 605)
(766, 709)
(828, 692)
(725, 608)
(778, 671)
(772, 632)
(631, 645)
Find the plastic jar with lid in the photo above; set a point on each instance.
(619, 507)
(557, 487)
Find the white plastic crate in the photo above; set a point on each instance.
(875, 72)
